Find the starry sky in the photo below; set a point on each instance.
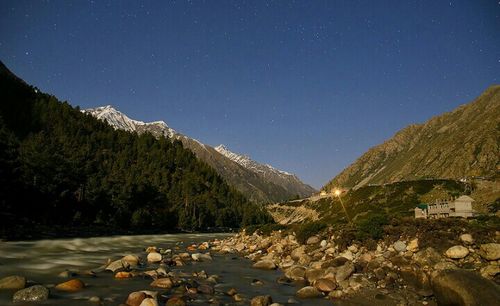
(306, 86)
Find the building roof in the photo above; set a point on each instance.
(422, 206)
(465, 198)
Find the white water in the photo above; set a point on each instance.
(41, 261)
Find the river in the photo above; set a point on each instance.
(43, 260)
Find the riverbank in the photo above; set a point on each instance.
(425, 262)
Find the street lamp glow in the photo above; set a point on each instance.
(337, 192)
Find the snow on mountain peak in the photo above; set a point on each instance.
(248, 163)
(119, 120)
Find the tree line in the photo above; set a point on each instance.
(61, 166)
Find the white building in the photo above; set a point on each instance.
(460, 207)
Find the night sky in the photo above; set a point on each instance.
(306, 86)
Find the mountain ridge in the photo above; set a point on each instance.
(259, 182)
(456, 144)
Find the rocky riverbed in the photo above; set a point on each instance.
(278, 270)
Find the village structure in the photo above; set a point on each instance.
(459, 207)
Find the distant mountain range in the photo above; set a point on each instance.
(455, 145)
(260, 183)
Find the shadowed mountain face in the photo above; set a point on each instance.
(260, 183)
(458, 144)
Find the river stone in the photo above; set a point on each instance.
(298, 252)
(13, 282)
(308, 292)
(206, 289)
(154, 257)
(313, 274)
(400, 246)
(176, 301)
(296, 273)
(417, 279)
(461, 287)
(118, 265)
(132, 260)
(344, 271)
(490, 271)
(338, 261)
(312, 240)
(490, 251)
(467, 238)
(457, 252)
(413, 245)
(31, 294)
(265, 265)
(150, 302)
(325, 285)
(71, 285)
(135, 298)
(165, 283)
(261, 300)
(123, 274)
(427, 257)
(201, 257)
(323, 243)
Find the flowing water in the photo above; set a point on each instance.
(41, 261)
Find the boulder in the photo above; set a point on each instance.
(490, 271)
(265, 265)
(149, 302)
(344, 271)
(490, 251)
(400, 246)
(428, 257)
(313, 240)
(13, 282)
(308, 292)
(314, 274)
(417, 279)
(132, 260)
(176, 301)
(413, 245)
(325, 285)
(118, 265)
(461, 287)
(261, 300)
(31, 294)
(467, 238)
(165, 283)
(71, 286)
(296, 273)
(457, 252)
(154, 257)
(135, 298)
(201, 257)
(124, 274)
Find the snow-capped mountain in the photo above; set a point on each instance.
(248, 163)
(119, 120)
(259, 182)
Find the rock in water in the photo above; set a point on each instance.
(490, 251)
(325, 285)
(457, 252)
(308, 292)
(265, 265)
(165, 283)
(71, 285)
(176, 301)
(261, 300)
(154, 257)
(31, 294)
(149, 302)
(118, 265)
(135, 298)
(344, 271)
(461, 287)
(13, 282)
